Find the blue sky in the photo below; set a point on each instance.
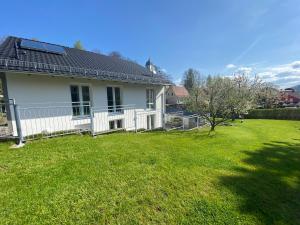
(214, 36)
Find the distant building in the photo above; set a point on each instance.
(175, 95)
(289, 97)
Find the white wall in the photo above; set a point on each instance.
(45, 103)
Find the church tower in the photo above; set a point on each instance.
(150, 66)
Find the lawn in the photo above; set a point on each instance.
(248, 173)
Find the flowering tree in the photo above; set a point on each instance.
(219, 99)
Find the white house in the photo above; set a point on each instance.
(52, 89)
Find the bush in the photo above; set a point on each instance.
(278, 114)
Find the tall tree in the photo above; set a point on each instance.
(78, 45)
(190, 80)
(116, 54)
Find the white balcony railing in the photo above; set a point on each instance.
(44, 120)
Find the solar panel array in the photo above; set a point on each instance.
(43, 47)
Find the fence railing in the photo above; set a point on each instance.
(183, 122)
(34, 121)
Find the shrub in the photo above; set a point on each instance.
(279, 114)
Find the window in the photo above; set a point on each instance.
(80, 97)
(115, 124)
(150, 99)
(112, 125)
(114, 101)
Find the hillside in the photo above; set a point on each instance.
(297, 88)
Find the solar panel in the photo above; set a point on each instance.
(43, 47)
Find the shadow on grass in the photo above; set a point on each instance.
(269, 187)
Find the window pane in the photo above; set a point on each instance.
(110, 99)
(86, 100)
(85, 93)
(150, 99)
(75, 93)
(119, 124)
(111, 125)
(75, 100)
(118, 99)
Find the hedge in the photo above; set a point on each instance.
(278, 114)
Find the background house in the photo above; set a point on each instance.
(175, 95)
(289, 97)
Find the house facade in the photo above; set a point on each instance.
(175, 95)
(59, 89)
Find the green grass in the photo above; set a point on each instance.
(248, 173)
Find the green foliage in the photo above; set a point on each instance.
(278, 113)
(78, 45)
(191, 79)
(247, 173)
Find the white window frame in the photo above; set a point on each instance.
(149, 104)
(114, 109)
(81, 103)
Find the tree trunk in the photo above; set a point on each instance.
(212, 127)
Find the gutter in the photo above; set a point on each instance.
(18, 66)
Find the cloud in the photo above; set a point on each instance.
(163, 70)
(230, 66)
(286, 75)
(178, 81)
(244, 70)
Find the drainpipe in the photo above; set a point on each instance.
(18, 123)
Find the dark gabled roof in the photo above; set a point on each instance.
(75, 63)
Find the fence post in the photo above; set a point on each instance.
(18, 122)
(92, 120)
(135, 120)
(197, 122)
(182, 122)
